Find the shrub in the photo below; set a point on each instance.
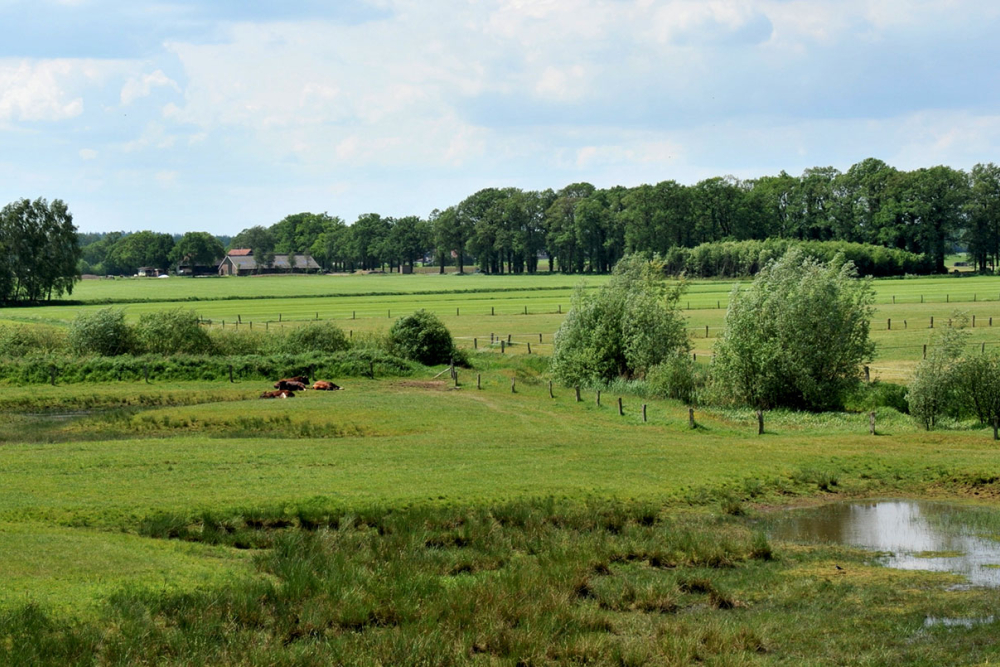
(932, 393)
(315, 337)
(877, 394)
(424, 338)
(174, 331)
(21, 340)
(629, 326)
(797, 336)
(678, 377)
(239, 342)
(103, 332)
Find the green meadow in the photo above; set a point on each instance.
(424, 520)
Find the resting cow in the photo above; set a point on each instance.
(323, 385)
(282, 393)
(291, 384)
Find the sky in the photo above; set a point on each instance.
(181, 115)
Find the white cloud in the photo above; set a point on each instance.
(88, 154)
(141, 86)
(34, 91)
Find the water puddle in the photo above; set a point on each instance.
(914, 535)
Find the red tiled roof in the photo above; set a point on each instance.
(240, 252)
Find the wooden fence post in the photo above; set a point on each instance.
(525, 310)
(621, 409)
(550, 389)
(479, 380)
(894, 299)
(868, 374)
(354, 315)
(598, 398)
(871, 423)
(371, 369)
(529, 348)
(925, 350)
(932, 321)
(502, 348)
(706, 331)
(691, 418)
(456, 312)
(578, 399)
(643, 413)
(230, 373)
(996, 428)
(279, 317)
(904, 324)
(508, 339)
(455, 375)
(973, 321)
(982, 350)
(475, 343)
(239, 320)
(888, 324)
(493, 310)
(694, 356)
(512, 390)
(539, 338)
(760, 422)
(266, 326)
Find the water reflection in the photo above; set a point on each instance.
(917, 535)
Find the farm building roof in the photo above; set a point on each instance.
(240, 252)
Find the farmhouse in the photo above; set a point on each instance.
(241, 262)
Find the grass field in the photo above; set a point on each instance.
(410, 521)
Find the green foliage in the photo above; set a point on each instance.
(180, 367)
(677, 377)
(103, 332)
(977, 386)
(866, 397)
(742, 259)
(796, 337)
(174, 331)
(629, 326)
(197, 248)
(932, 393)
(422, 337)
(39, 250)
(22, 340)
(315, 337)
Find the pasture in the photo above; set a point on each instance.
(417, 520)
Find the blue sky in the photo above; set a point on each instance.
(178, 116)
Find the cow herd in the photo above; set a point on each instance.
(286, 387)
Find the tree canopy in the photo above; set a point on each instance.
(39, 250)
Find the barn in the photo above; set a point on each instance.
(241, 262)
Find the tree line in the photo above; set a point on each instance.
(582, 228)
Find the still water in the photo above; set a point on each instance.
(913, 535)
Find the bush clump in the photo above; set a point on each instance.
(103, 332)
(628, 327)
(424, 338)
(316, 337)
(21, 340)
(176, 331)
(677, 377)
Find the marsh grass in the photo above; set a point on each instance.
(542, 582)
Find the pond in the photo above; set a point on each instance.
(913, 535)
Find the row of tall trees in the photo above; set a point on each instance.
(38, 250)
(121, 253)
(585, 229)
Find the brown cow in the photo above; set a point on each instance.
(283, 393)
(323, 385)
(291, 384)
